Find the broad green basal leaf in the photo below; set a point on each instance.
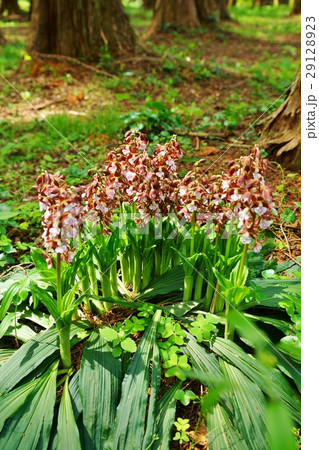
(68, 434)
(99, 384)
(130, 423)
(33, 421)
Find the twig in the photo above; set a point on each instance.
(73, 60)
(292, 259)
(19, 266)
(52, 102)
(286, 239)
(138, 59)
(289, 255)
(201, 134)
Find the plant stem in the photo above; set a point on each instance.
(229, 329)
(106, 291)
(64, 330)
(147, 273)
(157, 263)
(188, 287)
(193, 233)
(86, 290)
(124, 270)
(199, 284)
(137, 273)
(216, 249)
(208, 296)
(213, 304)
(113, 278)
(99, 306)
(65, 349)
(58, 281)
(242, 263)
(229, 239)
(92, 275)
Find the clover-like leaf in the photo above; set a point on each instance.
(128, 345)
(109, 334)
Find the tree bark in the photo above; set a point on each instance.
(296, 9)
(205, 8)
(118, 31)
(77, 28)
(262, 2)
(182, 14)
(281, 135)
(149, 4)
(11, 6)
(179, 14)
(223, 10)
(2, 39)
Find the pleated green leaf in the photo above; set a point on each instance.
(31, 355)
(74, 390)
(248, 407)
(99, 386)
(34, 418)
(270, 381)
(129, 427)
(27, 358)
(170, 281)
(5, 323)
(165, 416)
(202, 360)
(5, 354)
(68, 434)
(150, 431)
(220, 432)
(279, 428)
(45, 298)
(20, 331)
(12, 401)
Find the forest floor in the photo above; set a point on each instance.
(210, 87)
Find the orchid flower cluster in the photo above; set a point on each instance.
(151, 185)
(240, 196)
(249, 199)
(63, 214)
(131, 176)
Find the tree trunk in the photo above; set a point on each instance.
(11, 6)
(2, 39)
(118, 31)
(179, 14)
(296, 9)
(182, 14)
(223, 10)
(205, 8)
(281, 135)
(262, 2)
(149, 4)
(77, 28)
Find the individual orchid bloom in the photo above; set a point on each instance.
(264, 224)
(260, 210)
(245, 238)
(235, 196)
(257, 247)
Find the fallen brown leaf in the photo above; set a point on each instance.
(209, 150)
